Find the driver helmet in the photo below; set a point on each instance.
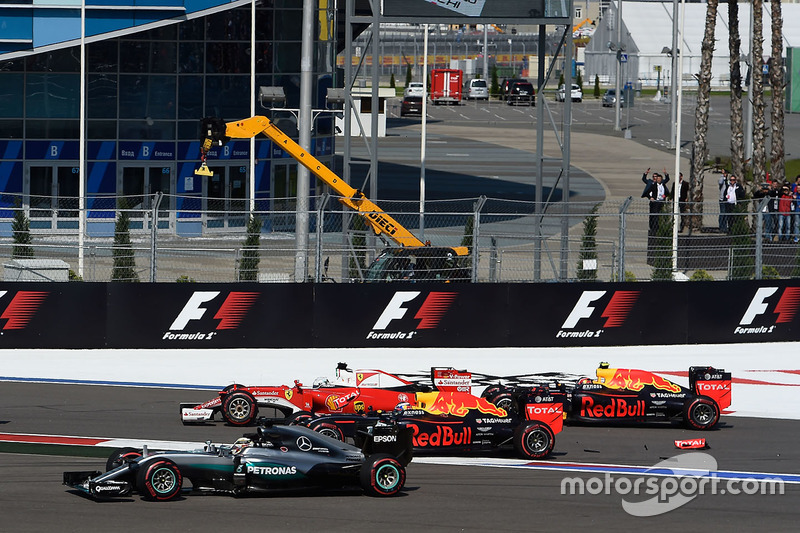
(400, 407)
(584, 381)
(241, 445)
(322, 382)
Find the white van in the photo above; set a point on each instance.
(477, 89)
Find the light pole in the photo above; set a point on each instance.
(619, 47)
(510, 56)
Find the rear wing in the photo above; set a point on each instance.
(712, 382)
(545, 404)
(450, 379)
(393, 439)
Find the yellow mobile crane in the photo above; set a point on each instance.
(412, 259)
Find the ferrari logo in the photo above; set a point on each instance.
(288, 393)
(359, 377)
(359, 407)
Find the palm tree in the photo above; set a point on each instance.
(737, 129)
(700, 145)
(759, 125)
(776, 80)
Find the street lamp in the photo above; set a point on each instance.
(510, 55)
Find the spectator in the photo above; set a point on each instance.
(771, 216)
(657, 194)
(734, 193)
(785, 206)
(758, 196)
(648, 182)
(683, 197)
(796, 205)
(723, 204)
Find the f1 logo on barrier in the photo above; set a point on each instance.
(230, 314)
(615, 312)
(21, 308)
(786, 309)
(430, 313)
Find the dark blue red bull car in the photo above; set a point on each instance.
(620, 395)
(459, 422)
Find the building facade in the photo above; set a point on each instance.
(153, 71)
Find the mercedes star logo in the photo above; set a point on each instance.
(304, 443)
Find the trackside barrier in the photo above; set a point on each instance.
(325, 315)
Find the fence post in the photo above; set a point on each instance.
(622, 228)
(318, 252)
(493, 262)
(759, 236)
(154, 234)
(476, 214)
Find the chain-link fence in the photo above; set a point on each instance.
(172, 238)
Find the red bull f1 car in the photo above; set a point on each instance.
(276, 458)
(457, 422)
(349, 392)
(637, 396)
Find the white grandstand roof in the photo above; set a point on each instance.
(650, 26)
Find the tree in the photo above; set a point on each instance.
(588, 248)
(124, 266)
(408, 74)
(700, 145)
(759, 124)
(495, 83)
(776, 80)
(392, 83)
(596, 86)
(251, 256)
(21, 234)
(737, 128)
(662, 246)
(579, 80)
(742, 245)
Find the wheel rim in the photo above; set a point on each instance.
(703, 414)
(387, 477)
(239, 408)
(537, 440)
(329, 432)
(163, 480)
(505, 404)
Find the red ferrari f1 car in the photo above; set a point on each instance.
(353, 392)
(626, 395)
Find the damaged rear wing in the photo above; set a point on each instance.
(712, 382)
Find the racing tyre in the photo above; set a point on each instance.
(232, 386)
(159, 480)
(329, 430)
(382, 475)
(239, 408)
(533, 440)
(121, 456)
(503, 400)
(701, 413)
(299, 418)
(491, 390)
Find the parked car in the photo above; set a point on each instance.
(477, 89)
(576, 94)
(415, 88)
(610, 98)
(521, 92)
(412, 105)
(505, 87)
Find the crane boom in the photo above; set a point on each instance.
(217, 132)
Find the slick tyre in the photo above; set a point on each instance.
(701, 413)
(328, 429)
(533, 440)
(503, 400)
(232, 386)
(121, 456)
(382, 475)
(491, 390)
(159, 480)
(299, 418)
(239, 408)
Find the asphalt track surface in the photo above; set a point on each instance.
(437, 497)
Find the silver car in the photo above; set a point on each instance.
(610, 98)
(477, 89)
